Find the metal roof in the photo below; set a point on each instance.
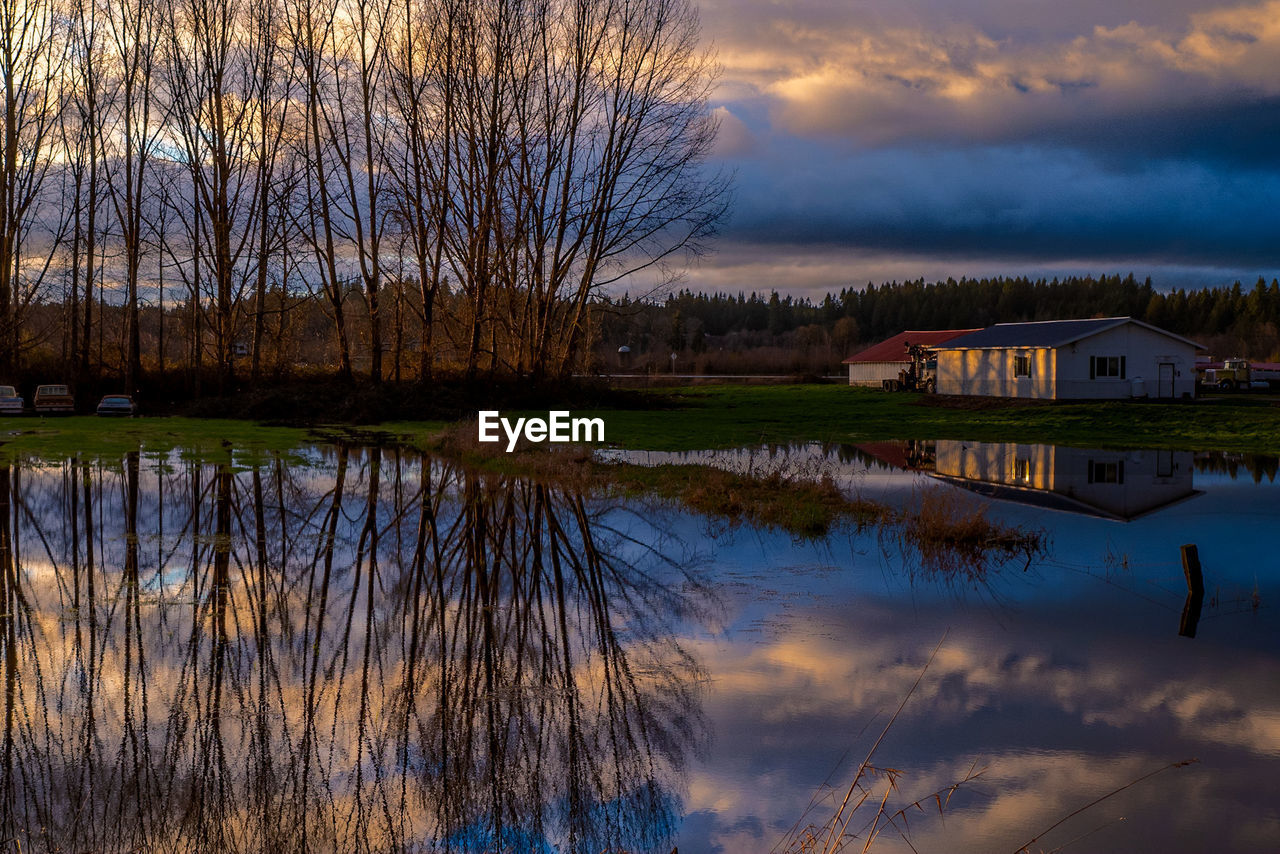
(1046, 333)
(895, 349)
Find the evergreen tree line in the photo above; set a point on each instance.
(789, 333)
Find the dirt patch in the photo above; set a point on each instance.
(949, 401)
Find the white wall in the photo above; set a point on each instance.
(990, 373)
(1064, 374)
(1144, 351)
(873, 374)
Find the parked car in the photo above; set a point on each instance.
(11, 403)
(117, 404)
(53, 400)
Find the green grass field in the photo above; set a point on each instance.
(706, 417)
(729, 416)
(697, 418)
(92, 437)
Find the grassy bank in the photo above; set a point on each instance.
(720, 416)
(950, 535)
(704, 417)
(701, 418)
(733, 416)
(91, 437)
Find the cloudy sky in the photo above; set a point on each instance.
(892, 139)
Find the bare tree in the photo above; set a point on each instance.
(226, 101)
(136, 127)
(485, 102)
(312, 25)
(275, 174)
(32, 49)
(618, 185)
(576, 161)
(357, 134)
(82, 143)
(422, 62)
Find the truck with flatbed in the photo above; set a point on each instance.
(1238, 374)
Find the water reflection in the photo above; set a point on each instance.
(1069, 683)
(381, 651)
(376, 652)
(1113, 484)
(1058, 716)
(1109, 484)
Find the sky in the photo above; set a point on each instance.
(878, 140)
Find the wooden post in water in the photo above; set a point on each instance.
(1195, 591)
(1191, 568)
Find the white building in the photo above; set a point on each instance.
(1106, 358)
(884, 361)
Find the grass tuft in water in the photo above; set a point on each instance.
(952, 535)
(804, 506)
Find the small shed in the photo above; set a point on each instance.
(885, 360)
(1095, 359)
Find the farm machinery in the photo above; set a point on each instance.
(920, 375)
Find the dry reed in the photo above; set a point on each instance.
(953, 537)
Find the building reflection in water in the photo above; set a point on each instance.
(374, 652)
(1120, 485)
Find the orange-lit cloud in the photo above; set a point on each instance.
(849, 76)
(894, 139)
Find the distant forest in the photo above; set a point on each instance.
(771, 333)
(744, 333)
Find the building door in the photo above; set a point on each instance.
(1164, 382)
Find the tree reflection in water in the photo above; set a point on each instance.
(376, 652)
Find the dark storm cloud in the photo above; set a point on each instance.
(996, 129)
(1240, 133)
(1024, 203)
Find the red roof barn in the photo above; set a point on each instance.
(883, 361)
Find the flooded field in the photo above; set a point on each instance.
(363, 649)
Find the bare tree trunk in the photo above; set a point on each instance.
(31, 42)
(71, 296)
(229, 102)
(197, 312)
(397, 347)
(90, 246)
(134, 35)
(160, 283)
(423, 86)
(311, 33)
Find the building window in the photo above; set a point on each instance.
(1022, 365)
(1106, 472)
(1022, 470)
(1106, 367)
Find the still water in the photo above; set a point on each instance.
(362, 649)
